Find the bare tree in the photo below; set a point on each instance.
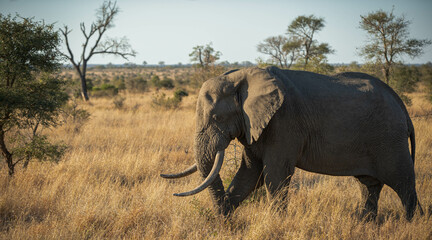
(93, 43)
(272, 46)
(282, 50)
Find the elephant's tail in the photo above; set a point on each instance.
(412, 138)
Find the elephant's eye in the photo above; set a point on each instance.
(217, 118)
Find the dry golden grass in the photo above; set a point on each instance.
(108, 186)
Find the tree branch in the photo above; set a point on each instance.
(65, 32)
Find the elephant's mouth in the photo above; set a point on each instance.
(207, 182)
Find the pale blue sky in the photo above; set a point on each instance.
(166, 30)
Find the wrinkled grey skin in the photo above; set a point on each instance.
(351, 124)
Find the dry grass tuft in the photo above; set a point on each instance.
(107, 186)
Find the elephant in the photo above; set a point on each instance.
(348, 124)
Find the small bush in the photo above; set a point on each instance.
(104, 90)
(118, 102)
(180, 93)
(166, 83)
(136, 84)
(404, 78)
(155, 80)
(162, 101)
(74, 117)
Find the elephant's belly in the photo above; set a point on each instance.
(338, 166)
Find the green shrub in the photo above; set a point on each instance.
(166, 83)
(426, 77)
(404, 78)
(155, 80)
(104, 90)
(136, 84)
(107, 86)
(180, 93)
(162, 101)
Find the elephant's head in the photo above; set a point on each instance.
(238, 104)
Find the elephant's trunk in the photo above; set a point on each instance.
(185, 173)
(214, 173)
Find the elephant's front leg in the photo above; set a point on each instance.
(248, 178)
(277, 171)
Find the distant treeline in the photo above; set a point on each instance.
(108, 80)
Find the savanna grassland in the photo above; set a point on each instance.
(107, 185)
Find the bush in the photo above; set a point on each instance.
(120, 84)
(180, 93)
(166, 83)
(104, 90)
(426, 77)
(119, 102)
(74, 117)
(155, 80)
(162, 101)
(404, 78)
(136, 84)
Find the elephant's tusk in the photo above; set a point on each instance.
(209, 179)
(185, 173)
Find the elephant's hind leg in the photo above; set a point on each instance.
(402, 181)
(408, 195)
(371, 189)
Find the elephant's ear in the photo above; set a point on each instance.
(262, 95)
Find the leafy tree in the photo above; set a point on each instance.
(388, 40)
(292, 48)
(30, 93)
(93, 43)
(304, 29)
(404, 78)
(426, 77)
(204, 56)
(283, 51)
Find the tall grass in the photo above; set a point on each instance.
(108, 186)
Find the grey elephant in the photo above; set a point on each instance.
(350, 124)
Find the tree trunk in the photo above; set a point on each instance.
(386, 71)
(5, 152)
(84, 93)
